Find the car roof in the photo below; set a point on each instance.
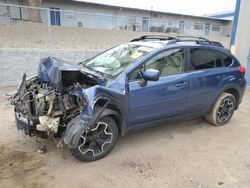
(156, 41)
(150, 44)
(165, 41)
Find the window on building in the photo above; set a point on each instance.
(198, 26)
(188, 25)
(215, 27)
(103, 18)
(126, 23)
(205, 59)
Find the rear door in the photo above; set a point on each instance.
(163, 98)
(207, 71)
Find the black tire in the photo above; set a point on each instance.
(223, 110)
(89, 145)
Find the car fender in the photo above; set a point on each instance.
(90, 114)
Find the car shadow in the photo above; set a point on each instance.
(164, 130)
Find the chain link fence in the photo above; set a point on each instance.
(28, 34)
(51, 27)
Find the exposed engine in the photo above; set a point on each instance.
(44, 108)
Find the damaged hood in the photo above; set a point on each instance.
(50, 71)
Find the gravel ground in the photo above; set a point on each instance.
(186, 154)
(35, 35)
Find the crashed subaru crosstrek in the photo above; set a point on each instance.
(149, 80)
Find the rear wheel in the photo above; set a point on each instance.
(97, 141)
(222, 110)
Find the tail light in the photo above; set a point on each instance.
(242, 70)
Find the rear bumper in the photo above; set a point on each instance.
(241, 93)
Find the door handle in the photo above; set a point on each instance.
(181, 84)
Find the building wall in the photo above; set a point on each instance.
(189, 23)
(94, 11)
(15, 62)
(242, 40)
(241, 47)
(130, 17)
(105, 17)
(9, 13)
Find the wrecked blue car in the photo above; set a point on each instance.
(141, 83)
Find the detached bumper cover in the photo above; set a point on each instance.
(22, 122)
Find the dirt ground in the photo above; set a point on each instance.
(35, 35)
(187, 154)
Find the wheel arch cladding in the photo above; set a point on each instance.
(232, 89)
(101, 108)
(74, 130)
(235, 93)
(111, 110)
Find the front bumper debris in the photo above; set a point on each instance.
(22, 122)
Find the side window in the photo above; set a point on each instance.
(218, 60)
(136, 74)
(227, 60)
(202, 58)
(168, 63)
(205, 59)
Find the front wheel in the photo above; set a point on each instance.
(97, 141)
(223, 110)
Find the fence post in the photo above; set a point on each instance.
(86, 54)
(49, 28)
(115, 20)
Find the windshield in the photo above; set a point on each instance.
(116, 60)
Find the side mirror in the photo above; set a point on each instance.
(149, 75)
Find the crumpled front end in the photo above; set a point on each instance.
(46, 104)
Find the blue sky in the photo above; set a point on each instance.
(192, 7)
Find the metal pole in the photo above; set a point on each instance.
(115, 22)
(49, 29)
(248, 69)
(235, 23)
(86, 54)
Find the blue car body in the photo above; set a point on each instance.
(189, 94)
(183, 96)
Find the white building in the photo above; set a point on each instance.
(240, 36)
(99, 16)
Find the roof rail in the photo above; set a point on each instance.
(192, 38)
(199, 40)
(155, 37)
(182, 38)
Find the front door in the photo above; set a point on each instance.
(181, 26)
(145, 24)
(165, 98)
(207, 29)
(55, 17)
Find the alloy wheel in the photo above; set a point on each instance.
(225, 110)
(94, 141)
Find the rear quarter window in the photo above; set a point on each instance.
(227, 60)
(207, 58)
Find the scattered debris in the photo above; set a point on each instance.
(220, 183)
